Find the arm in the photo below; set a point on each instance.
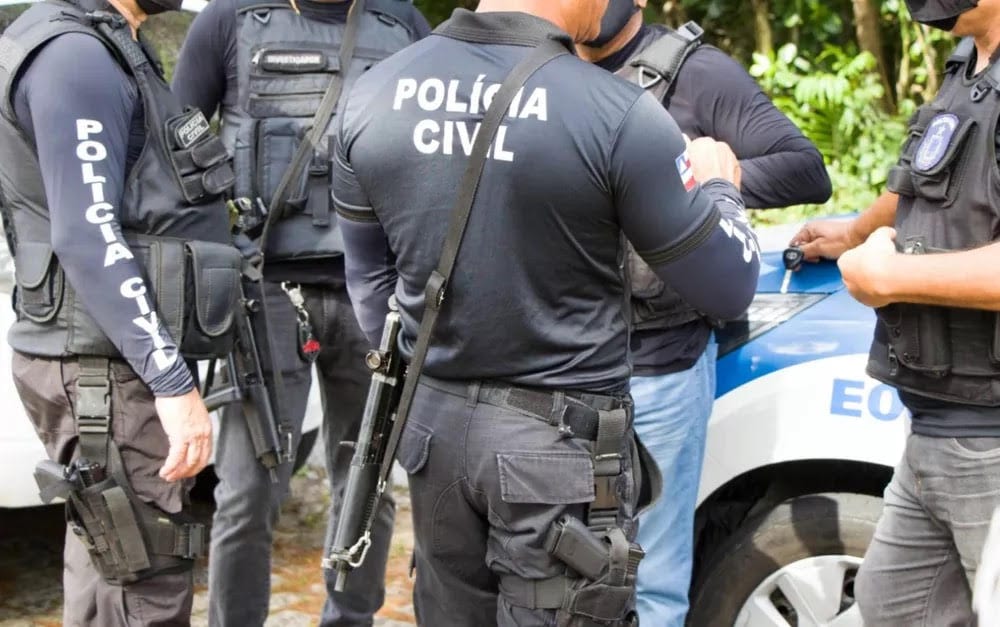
(698, 241)
(780, 166)
(877, 275)
(369, 264)
(829, 239)
(207, 60)
(419, 25)
(61, 103)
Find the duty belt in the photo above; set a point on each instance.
(579, 412)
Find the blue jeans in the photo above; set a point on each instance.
(671, 418)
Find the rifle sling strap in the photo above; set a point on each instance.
(437, 285)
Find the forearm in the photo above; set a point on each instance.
(370, 270)
(962, 279)
(882, 212)
(717, 274)
(786, 178)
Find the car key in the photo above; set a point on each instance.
(792, 258)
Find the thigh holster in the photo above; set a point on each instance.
(128, 539)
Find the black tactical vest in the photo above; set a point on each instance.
(654, 304)
(172, 216)
(284, 63)
(949, 186)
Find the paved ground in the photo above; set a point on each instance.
(31, 544)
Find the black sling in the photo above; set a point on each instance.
(437, 285)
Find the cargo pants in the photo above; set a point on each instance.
(487, 481)
(248, 503)
(47, 387)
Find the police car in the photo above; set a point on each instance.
(801, 445)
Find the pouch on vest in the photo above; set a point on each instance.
(931, 162)
(213, 280)
(39, 280)
(199, 158)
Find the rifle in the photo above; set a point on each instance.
(364, 488)
(272, 440)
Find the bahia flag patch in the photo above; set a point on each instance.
(685, 170)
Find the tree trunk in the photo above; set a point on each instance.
(762, 26)
(930, 62)
(866, 26)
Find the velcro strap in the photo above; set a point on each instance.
(900, 181)
(611, 428)
(133, 547)
(201, 156)
(619, 557)
(535, 594)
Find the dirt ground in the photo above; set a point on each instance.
(31, 545)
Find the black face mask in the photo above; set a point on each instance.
(152, 7)
(615, 18)
(941, 14)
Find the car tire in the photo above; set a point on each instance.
(776, 542)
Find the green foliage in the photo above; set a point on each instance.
(836, 101)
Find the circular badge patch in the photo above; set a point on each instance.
(935, 142)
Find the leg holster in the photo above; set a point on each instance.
(128, 540)
(598, 589)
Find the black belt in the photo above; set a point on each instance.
(577, 410)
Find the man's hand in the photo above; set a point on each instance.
(189, 431)
(711, 159)
(867, 269)
(826, 239)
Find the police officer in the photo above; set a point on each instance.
(932, 281)
(673, 351)
(529, 362)
(115, 227)
(264, 66)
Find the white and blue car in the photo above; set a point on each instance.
(801, 445)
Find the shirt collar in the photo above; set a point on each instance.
(502, 27)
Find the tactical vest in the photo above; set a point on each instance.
(171, 214)
(285, 63)
(654, 304)
(949, 186)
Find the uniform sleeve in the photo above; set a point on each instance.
(79, 116)
(780, 166)
(207, 60)
(695, 237)
(369, 264)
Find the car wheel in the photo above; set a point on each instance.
(794, 565)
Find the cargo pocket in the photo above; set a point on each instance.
(39, 281)
(277, 141)
(918, 337)
(414, 447)
(214, 271)
(548, 478)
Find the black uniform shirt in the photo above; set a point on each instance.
(74, 82)
(713, 96)
(537, 297)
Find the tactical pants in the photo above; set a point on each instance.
(247, 503)
(47, 388)
(487, 481)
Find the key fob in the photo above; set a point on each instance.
(309, 346)
(792, 258)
